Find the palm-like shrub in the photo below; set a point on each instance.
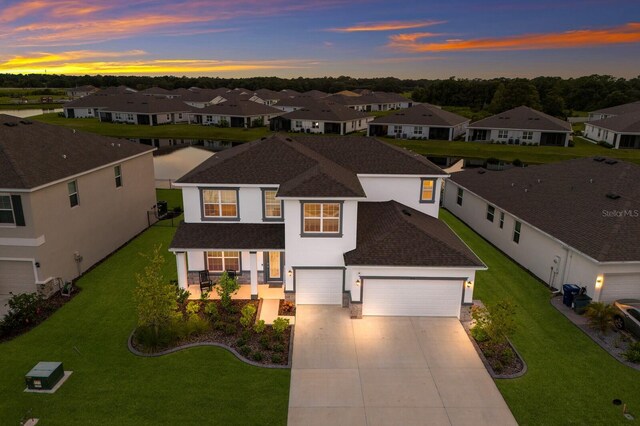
(600, 316)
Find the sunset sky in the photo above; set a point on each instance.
(290, 38)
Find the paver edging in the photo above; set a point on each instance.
(220, 345)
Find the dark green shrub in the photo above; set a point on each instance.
(219, 325)
(259, 326)
(257, 356)
(193, 308)
(600, 316)
(245, 351)
(181, 294)
(211, 310)
(230, 329)
(632, 354)
(204, 296)
(279, 326)
(246, 334)
(197, 325)
(276, 358)
(265, 342)
(241, 342)
(247, 312)
(278, 347)
(24, 310)
(225, 288)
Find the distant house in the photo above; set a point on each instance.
(371, 101)
(521, 125)
(87, 106)
(238, 113)
(422, 121)
(289, 104)
(614, 111)
(322, 117)
(270, 97)
(200, 98)
(81, 91)
(144, 110)
(571, 222)
(619, 131)
(67, 200)
(117, 90)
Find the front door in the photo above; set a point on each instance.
(273, 266)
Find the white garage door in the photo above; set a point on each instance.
(412, 297)
(16, 277)
(319, 286)
(620, 286)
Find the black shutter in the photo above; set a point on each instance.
(18, 214)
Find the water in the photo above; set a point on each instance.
(24, 113)
(167, 145)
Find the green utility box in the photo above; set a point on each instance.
(44, 375)
(580, 303)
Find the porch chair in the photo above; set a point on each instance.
(205, 281)
(232, 273)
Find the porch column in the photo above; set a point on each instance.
(253, 260)
(181, 262)
(451, 134)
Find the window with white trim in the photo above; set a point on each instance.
(321, 218)
(491, 212)
(503, 134)
(459, 196)
(516, 232)
(315, 125)
(272, 206)
(117, 170)
(6, 210)
(527, 136)
(220, 203)
(221, 261)
(427, 193)
(72, 187)
(298, 124)
(417, 130)
(397, 129)
(501, 220)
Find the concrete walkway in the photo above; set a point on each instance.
(388, 371)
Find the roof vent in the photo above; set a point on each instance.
(613, 196)
(11, 124)
(526, 190)
(406, 212)
(591, 180)
(64, 156)
(611, 162)
(513, 184)
(598, 159)
(539, 180)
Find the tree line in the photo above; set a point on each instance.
(553, 95)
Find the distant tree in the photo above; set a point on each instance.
(513, 94)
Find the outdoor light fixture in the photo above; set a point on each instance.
(599, 281)
(290, 273)
(358, 282)
(469, 283)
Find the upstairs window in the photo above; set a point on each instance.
(72, 187)
(491, 212)
(427, 191)
(501, 220)
(321, 218)
(272, 208)
(6, 210)
(516, 232)
(117, 170)
(459, 197)
(220, 203)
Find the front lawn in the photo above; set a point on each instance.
(109, 385)
(570, 379)
(170, 131)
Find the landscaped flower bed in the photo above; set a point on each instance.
(287, 308)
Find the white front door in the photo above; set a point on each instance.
(620, 286)
(318, 286)
(412, 297)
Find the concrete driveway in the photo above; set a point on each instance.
(388, 371)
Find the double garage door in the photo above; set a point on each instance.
(16, 277)
(620, 286)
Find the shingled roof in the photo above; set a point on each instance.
(625, 123)
(631, 107)
(422, 115)
(524, 118)
(229, 236)
(238, 108)
(393, 234)
(571, 201)
(325, 111)
(309, 166)
(33, 154)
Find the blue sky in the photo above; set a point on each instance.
(360, 38)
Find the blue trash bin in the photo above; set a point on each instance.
(569, 292)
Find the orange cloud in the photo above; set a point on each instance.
(628, 33)
(386, 26)
(20, 10)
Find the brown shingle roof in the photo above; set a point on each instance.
(525, 118)
(238, 108)
(568, 200)
(625, 123)
(423, 115)
(325, 111)
(620, 109)
(234, 236)
(393, 234)
(35, 154)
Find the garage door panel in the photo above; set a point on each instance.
(412, 297)
(620, 286)
(16, 277)
(319, 286)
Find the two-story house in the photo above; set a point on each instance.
(67, 200)
(351, 221)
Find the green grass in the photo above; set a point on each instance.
(527, 154)
(109, 385)
(174, 131)
(173, 197)
(570, 379)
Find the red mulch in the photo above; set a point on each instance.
(286, 308)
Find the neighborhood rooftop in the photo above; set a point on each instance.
(423, 115)
(523, 118)
(624, 123)
(34, 154)
(569, 200)
(325, 111)
(620, 109)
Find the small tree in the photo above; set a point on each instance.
(494, 323)
(226, 287)
(155, 298)
(279, 326)
(600, 316)
(248, 311)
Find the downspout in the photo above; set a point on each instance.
(568, 258)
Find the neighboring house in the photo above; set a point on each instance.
(117, 90)
(236, 113)
(200, 98)
(619, 131)
(574, 222)
(422, 121)
(345, 221)
(322, 117)
(289, 104)
(67, 200)
(160, 93)
(632, 107)
(87, 106)
(315, 94)
(79, 92)
(144, 110)
(270, 97)
(521, 126)
(371, 101)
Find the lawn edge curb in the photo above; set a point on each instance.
(219, 345)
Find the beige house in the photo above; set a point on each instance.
(67, 200)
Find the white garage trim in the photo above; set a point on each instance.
(620, 286)
(412, 296)
(17, 276)
(318, 286)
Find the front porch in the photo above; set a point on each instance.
(265, 291)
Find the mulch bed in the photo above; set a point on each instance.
(286, 308)
(246, 347)
(49, 306)
(502, 359)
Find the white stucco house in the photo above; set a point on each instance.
(572, 222)
(422, 121)
(521, 126)
(620, 131)
(320, 116)
(631, 107)
(348, 221)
